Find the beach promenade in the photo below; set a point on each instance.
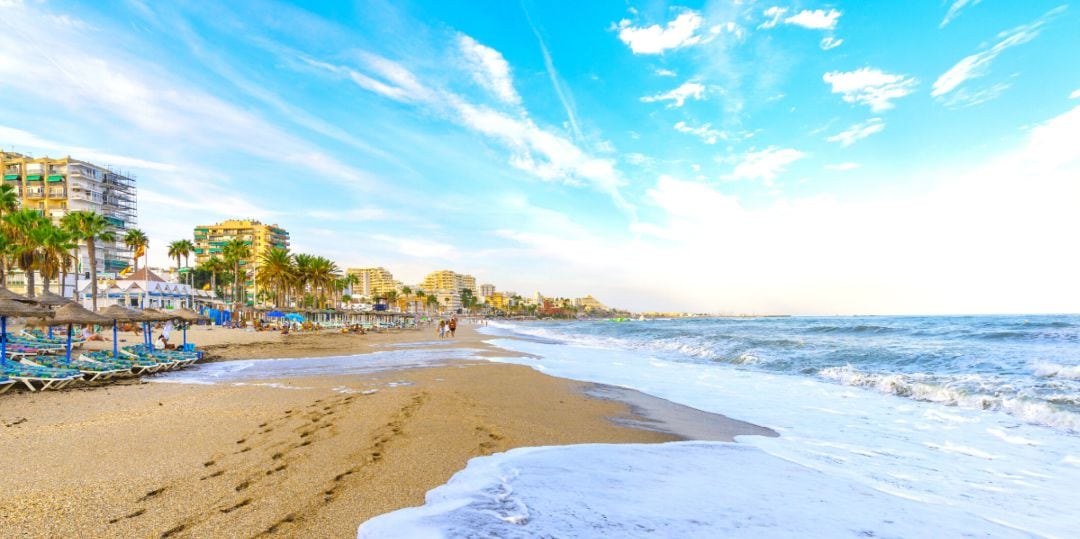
(311, 457)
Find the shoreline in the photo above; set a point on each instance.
(295, 456)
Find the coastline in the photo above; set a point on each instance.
(300, 456)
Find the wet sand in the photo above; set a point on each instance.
(311, 457)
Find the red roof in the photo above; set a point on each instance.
(141, 276)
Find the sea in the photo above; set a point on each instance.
(945, 426)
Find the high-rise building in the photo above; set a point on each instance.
(55, 187)
(372, 282)
(210, 241)
(447, 286)
(487, 290)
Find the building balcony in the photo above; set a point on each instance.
(57, 193)
(35, 193)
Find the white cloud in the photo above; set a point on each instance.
(817, 19)
(666, 73)
(858, 132)
(1075, 94)
(655, 39)
(704, 131)
(489, 69)
(870, 86)
(954, 10)
(829, 43)
(978, 64)
(638, 159)
(678, 96)
(419, 248)
(842, 167)
(765, 165)
(774, 15)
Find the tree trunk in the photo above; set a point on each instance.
(30, 283)
(91, 253)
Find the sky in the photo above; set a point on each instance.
(736, 157)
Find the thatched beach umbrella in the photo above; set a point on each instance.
(154, 315)
(119, 313)
(188, 315)
(12, 296)
(73, 313)
(11, 307)
(49, 299)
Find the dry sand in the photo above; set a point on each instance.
(310, 457)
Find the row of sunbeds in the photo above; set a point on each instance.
(35, 363)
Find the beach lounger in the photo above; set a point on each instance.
(38, 336)
(137, 366)
(5, 383)
(46, 377)
(93, 371)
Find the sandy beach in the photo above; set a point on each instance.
(311, 457)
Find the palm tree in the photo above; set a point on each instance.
(89, 227)
(55, 254)
(176, 251)
(134, 240)
(25, 241)
(276, 271)
(433, 302)
(419, 299)
(9, 202)
(214, 265)
(237, 251)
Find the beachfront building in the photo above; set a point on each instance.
(487, 290)
(55, 187)
(589, 303)
(210, 241)
(372, 282)
(146, 289)
(447, 286)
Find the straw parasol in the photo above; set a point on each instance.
(188, 315)
(9, 295)
(119, 313)
(154, 315)
(73, 313)
(18, 308)
(49, 299)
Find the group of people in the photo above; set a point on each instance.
(447, 327)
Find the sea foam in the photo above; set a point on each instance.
(682, 489)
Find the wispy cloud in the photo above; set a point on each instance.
(765, 165)
(655, 39)
(858, 132)
(489, 69)
(870, 86)
(665, 73)
(954, 10)
(1075, 94)
(829, 43)
(678, 96)
(705, 132)
(557, 84)
(978, 64)
(24, 141)
(818, 19)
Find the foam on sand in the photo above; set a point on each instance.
(679, 489)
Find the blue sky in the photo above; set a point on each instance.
(753, 156)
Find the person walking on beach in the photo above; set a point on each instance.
(453, 325)
(442, 328)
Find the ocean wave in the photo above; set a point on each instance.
(861, 328)
(1053, 370)
(925, 388)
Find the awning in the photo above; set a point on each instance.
(34, 178)
(11, 177)
(56, 178)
